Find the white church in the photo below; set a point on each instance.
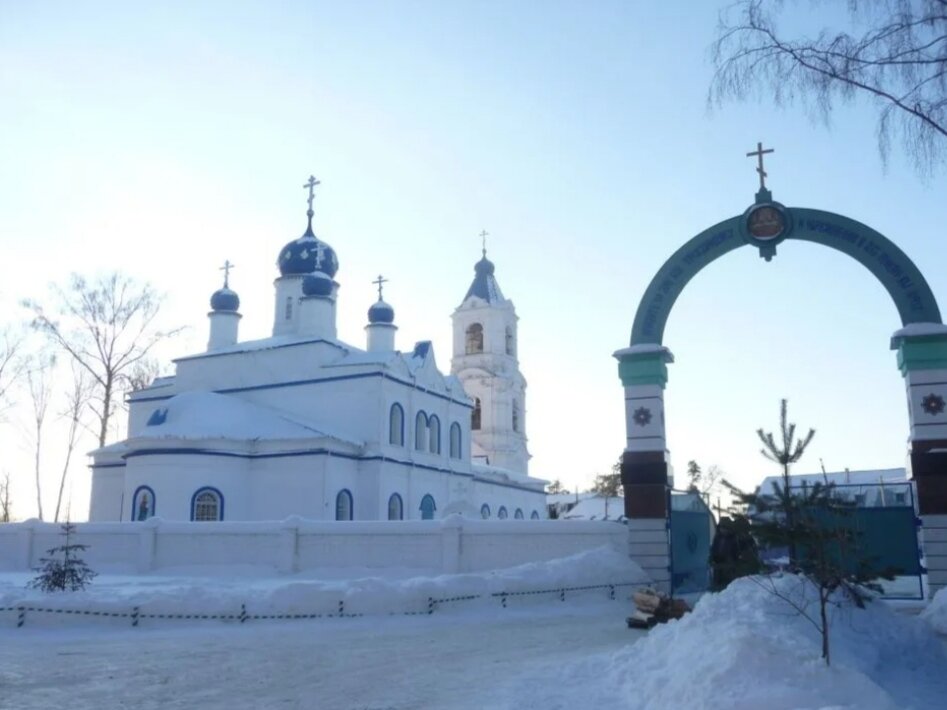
(301, 423)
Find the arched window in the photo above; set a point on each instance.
(501, 513)
(475, 415)
(510, 344)
(396, 425)
(207, 504)
(289, 308)
(455, 452)
(516, 415)
(434, 431)
(343, 505)
(143, 503)
(420, 431)
(518, 515)
(395, 507)
(484, 511)
(427, 507)
(474, 338)
(534, 515)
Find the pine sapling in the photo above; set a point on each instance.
(63, 569)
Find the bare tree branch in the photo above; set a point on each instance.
(899, 60)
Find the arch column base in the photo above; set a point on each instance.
(922, 359)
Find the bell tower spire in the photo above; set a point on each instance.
(485, 361)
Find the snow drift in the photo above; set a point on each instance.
(746, 648)
(295, 594)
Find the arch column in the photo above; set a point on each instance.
(645, 474)
(922, 359)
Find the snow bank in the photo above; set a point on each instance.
(746, 648)
(297, 594)
(936, 612)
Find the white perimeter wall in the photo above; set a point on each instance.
(454, 544)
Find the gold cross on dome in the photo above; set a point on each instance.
(226, 269)
(759, 153)
(378, 282)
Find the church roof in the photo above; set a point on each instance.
(485, 285)
(208, 415)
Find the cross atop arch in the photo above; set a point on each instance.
(759, 153)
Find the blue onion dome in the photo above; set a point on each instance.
(306, 255)
(225, 300)
(484, 266)
(381, 312)
(317, 283)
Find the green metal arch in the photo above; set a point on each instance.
(897, 273)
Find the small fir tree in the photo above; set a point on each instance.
(817, 524)
(791, 451)
(63, 569)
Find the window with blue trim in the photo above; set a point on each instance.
(343, 505)
(207, 505)
(518, 515)
(396, 425)
(420, 431)
(534, 515)
(501, 513)
(434, 431)
(455, 441)
(427, 507)
(143, 503)
(485, 511)
(395, 507)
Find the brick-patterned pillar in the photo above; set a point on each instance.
(644, 467)
(922, 358)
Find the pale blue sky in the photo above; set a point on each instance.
(160, 140)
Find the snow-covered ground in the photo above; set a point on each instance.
(744, 648)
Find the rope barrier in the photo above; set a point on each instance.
(432, 604)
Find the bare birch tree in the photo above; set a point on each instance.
(893, 53)
(6, 499)
(39, 383)
(77, 400)
(107, 327)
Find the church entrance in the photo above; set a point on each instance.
(920, 344)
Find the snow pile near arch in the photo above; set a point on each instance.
(307, 593)
(936, 612)
(745, 649)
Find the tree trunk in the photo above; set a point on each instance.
(823, 601)
(39, 497)
(106, 410)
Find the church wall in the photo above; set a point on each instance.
(511, 498)
(293, 485)
(108, 493)
(175, 478)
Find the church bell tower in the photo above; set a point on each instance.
(485, 361)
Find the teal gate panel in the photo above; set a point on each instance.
(690, 550)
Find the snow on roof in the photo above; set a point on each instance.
(270, 343)
(872, 477)
(561, 498)
(208, 415)
(597, 507)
